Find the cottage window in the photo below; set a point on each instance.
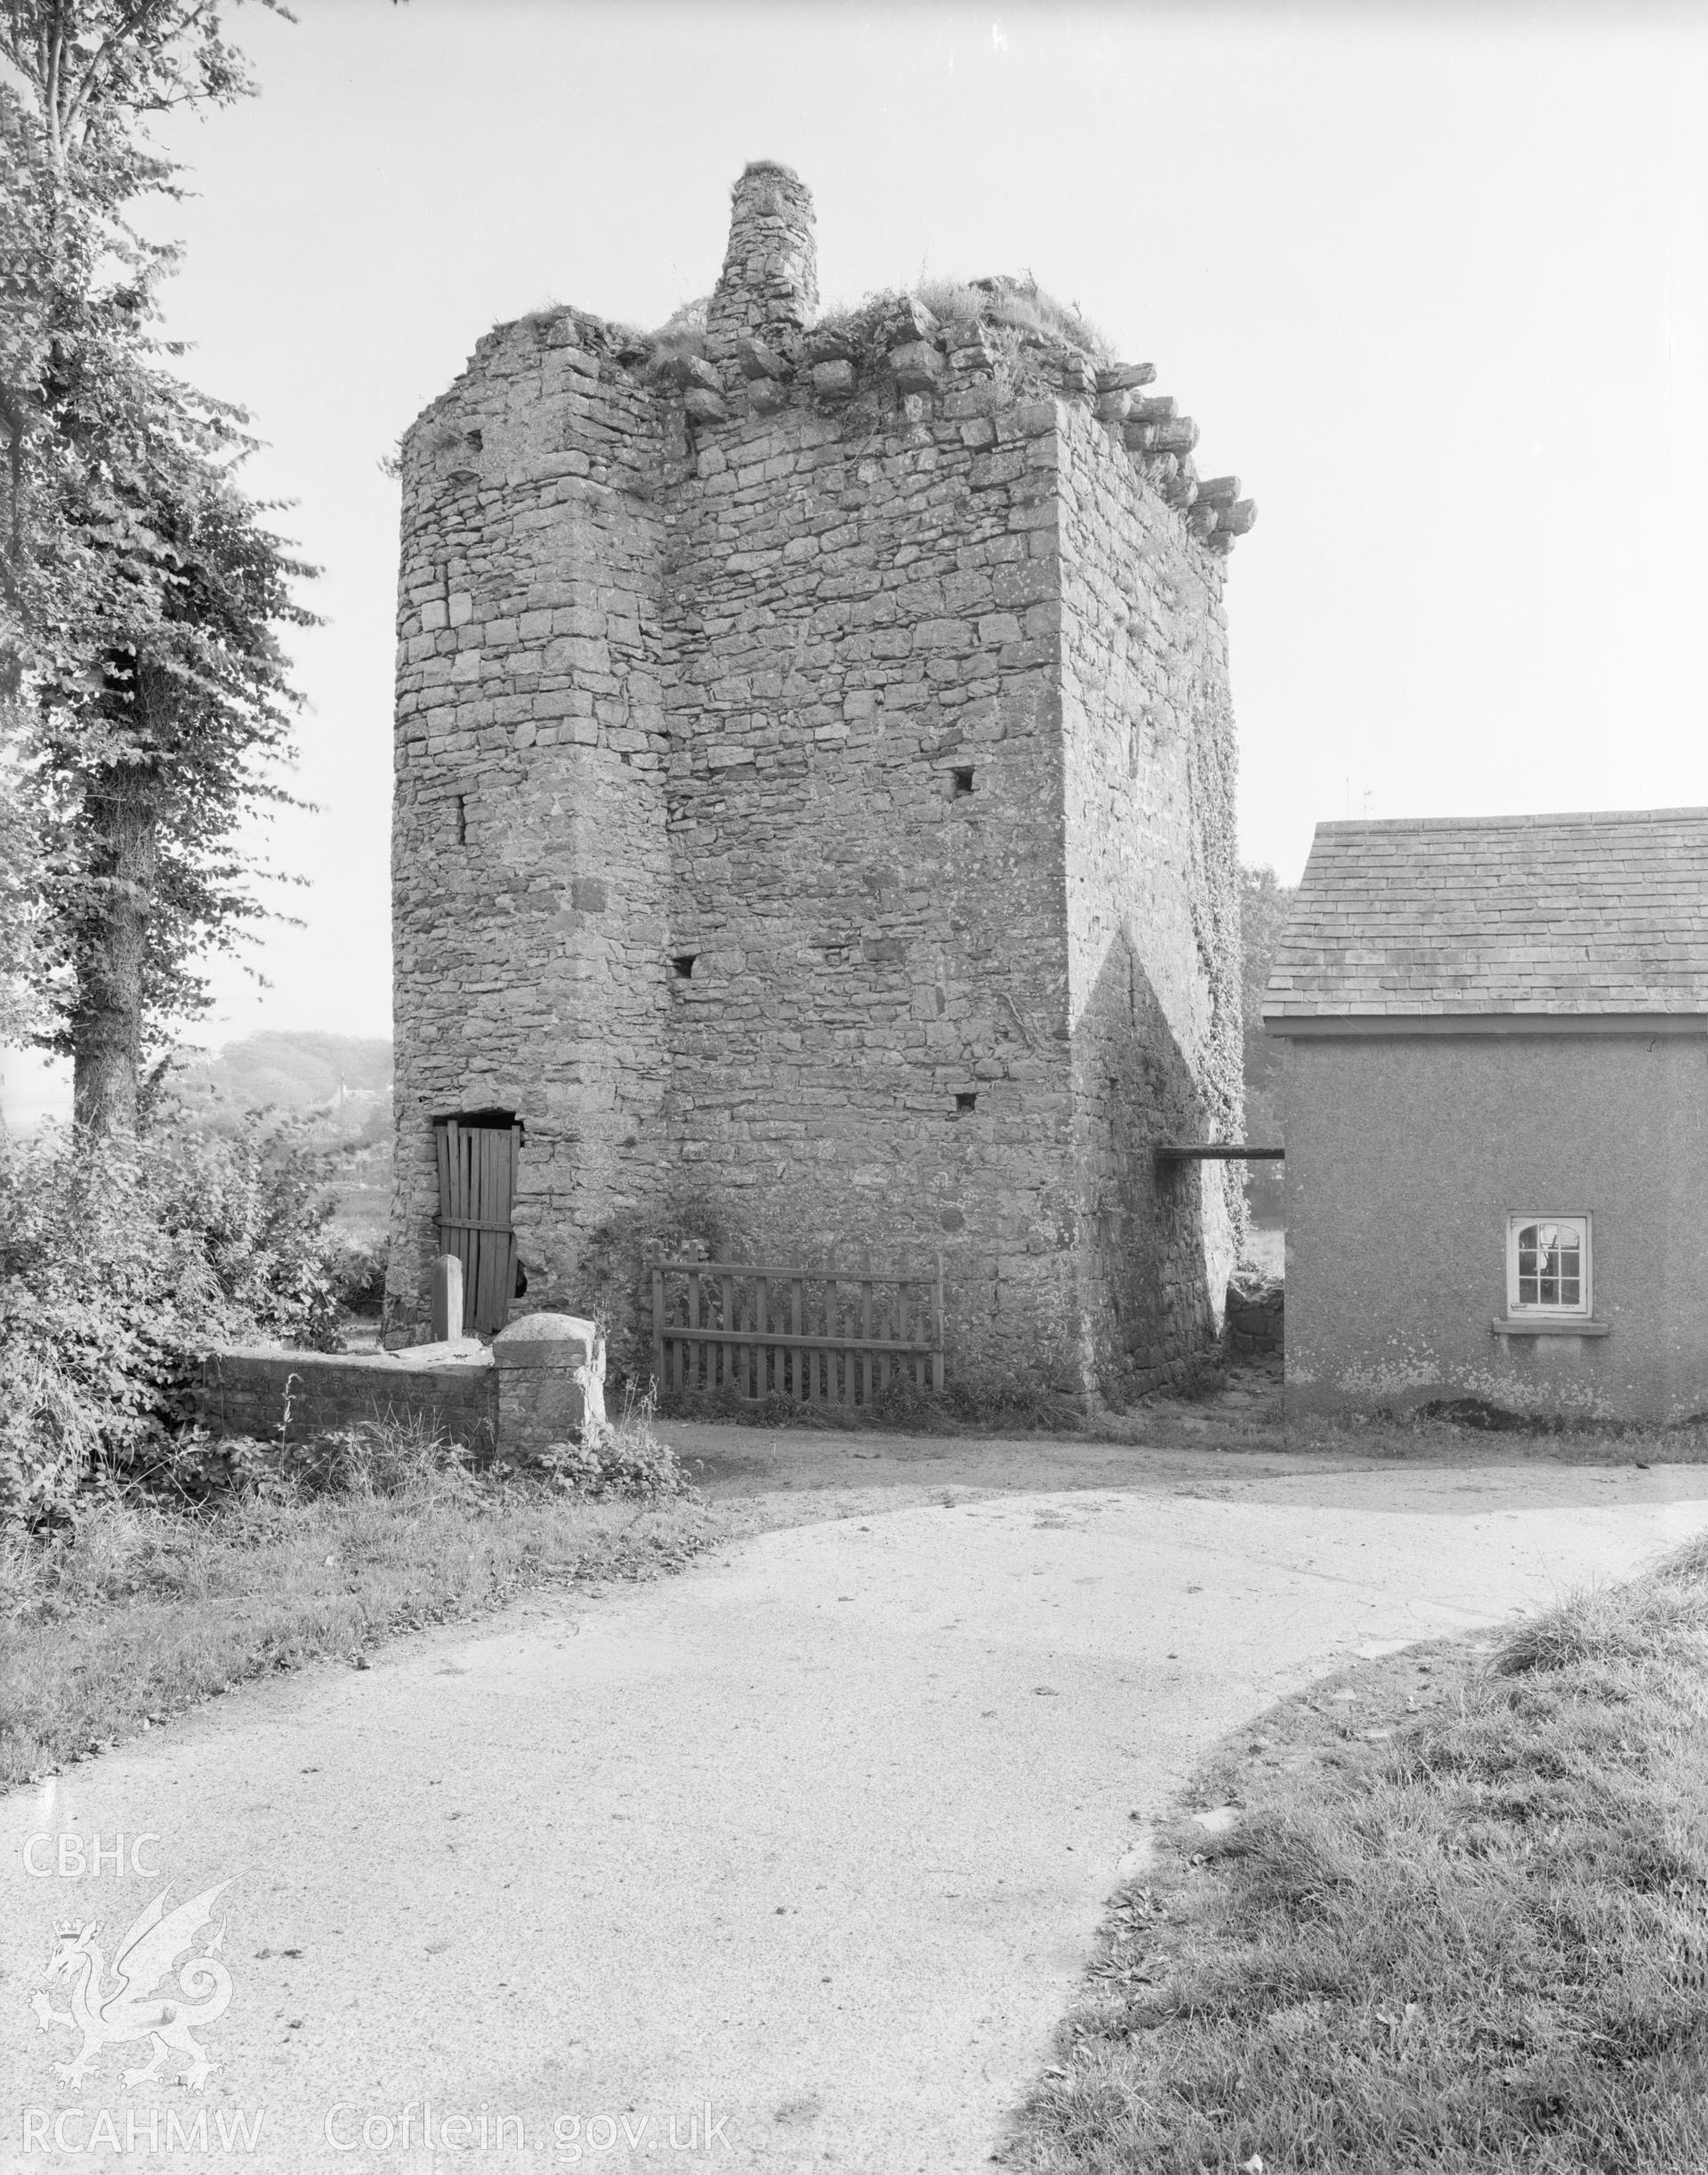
(1547, 1264)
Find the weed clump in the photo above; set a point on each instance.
(624, 1457)
(1017, 302)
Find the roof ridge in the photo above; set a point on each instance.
(1390, 825)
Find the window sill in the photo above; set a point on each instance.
(1548, 1326)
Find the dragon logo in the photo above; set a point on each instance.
(134, 2007)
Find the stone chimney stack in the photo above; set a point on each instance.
(769, 288)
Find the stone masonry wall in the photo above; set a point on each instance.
(869, 1061)
(529, 861)
(838, 712)
(1152, 913)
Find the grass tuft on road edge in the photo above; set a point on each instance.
(144, 1609)
(1461, 1923)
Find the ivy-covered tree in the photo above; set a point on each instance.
(141, 588)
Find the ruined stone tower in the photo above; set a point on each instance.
(815, 811)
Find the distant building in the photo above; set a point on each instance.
(1496, 1100)
(814, 824)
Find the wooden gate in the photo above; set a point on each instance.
(823, 1336)
(476, 1187)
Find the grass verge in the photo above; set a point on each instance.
(142, 1610)
(1460, 1923)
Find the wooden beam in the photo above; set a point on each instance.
(1216, 1151)
(820, 1275)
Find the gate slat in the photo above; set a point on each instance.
(463, 1242)
(467, 1236)
(513, 1261)
(451, 1236)
(497, 1148)
(471, 1190)
(477, 1238)
(471, 1194)
(482, 1161)
(477, 1211)
(447, 1235)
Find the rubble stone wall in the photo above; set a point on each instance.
(1152, 911)
(529, 861)
(297, 1397)
(870, 1058)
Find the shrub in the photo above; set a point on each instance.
(358, 1277)
(122, 1263)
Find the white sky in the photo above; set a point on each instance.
(1434, 283)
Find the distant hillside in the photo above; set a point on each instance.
(295, 1073)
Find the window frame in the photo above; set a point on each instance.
(1531, 1309)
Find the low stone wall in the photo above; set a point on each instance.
(295, 1396)
(1256, 1317)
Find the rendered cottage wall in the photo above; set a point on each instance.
(708, 638)
(1404, 1156)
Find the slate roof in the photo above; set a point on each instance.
(1592, 913)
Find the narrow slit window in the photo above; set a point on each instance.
(1547, 1264)
(462, 819)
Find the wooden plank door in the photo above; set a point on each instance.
(477, 1193)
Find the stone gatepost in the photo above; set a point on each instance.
(447, 1298)
(551, 1383)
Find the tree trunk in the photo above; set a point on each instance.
(107, 1029)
